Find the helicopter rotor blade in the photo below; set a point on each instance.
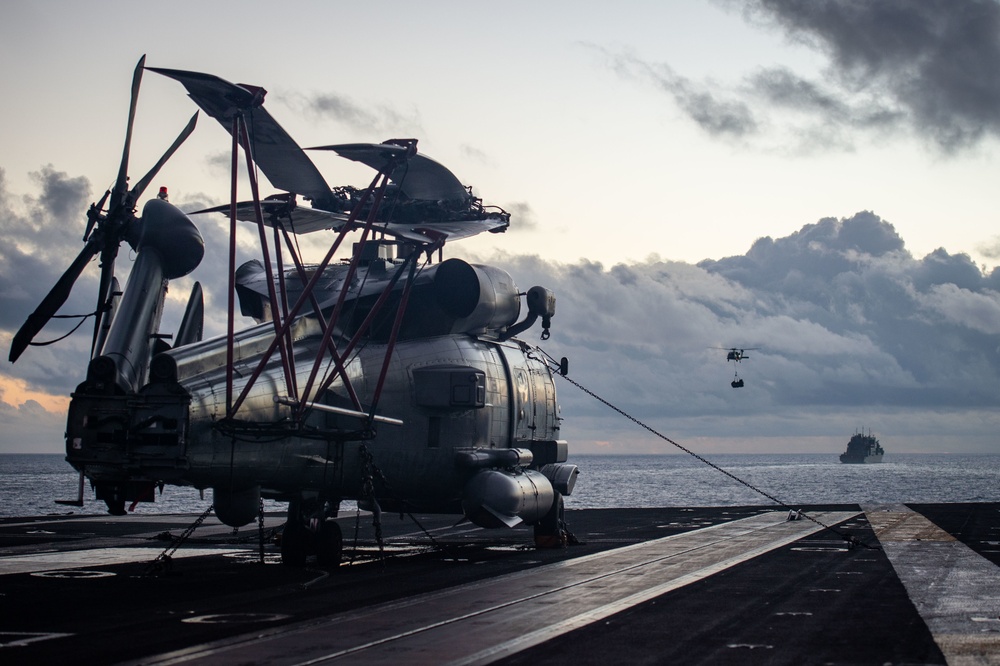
(121, 183)
(53, 301)
(104, 234)
(137, 191)
(108, 255)
(114, 296)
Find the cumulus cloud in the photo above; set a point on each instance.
(43, 236)
(29, 428)
(846, 321)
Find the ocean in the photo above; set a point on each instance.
(30, 483)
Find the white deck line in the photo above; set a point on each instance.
(93, 558)
(955, 590)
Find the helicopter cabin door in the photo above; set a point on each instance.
(533, 402)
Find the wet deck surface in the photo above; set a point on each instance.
(82, 589)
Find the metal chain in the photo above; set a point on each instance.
(163, 560)
(260, 527)
(369, 473)
(851, 540)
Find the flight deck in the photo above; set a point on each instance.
(886, 584)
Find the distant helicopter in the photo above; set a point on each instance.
(386, 379)
(736, 354)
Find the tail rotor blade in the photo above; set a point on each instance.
(181, 138)
(52, 302)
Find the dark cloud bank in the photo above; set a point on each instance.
(929, 69)
(852, 331)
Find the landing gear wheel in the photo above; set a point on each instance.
(293, 544)
(329, 545)
(550, 532)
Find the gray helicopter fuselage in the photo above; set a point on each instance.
(451, 393)
(466, 419)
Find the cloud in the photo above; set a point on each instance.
(42, 237)
(964, 308)
(29, 428)
(522, 217)
(61, 195)
(475, 154)
(710, 108)
(990, 249)
(824, 112)
(930, 69)
(378, 119)
(221, 163)
(848, 323)
(855, 279)
(934, 63)
(717, 111)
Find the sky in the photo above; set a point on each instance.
(812, 180)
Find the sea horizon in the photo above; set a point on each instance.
(31, 482)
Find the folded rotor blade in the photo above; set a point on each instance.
(181, 138)
(122, 182)
(278, 211)
(419, 177)
(274, 150)
(108, 255)
(193, 324)
(53, 301)
(114, 296)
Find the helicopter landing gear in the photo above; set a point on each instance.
(550, 531)
(329, 544)
(293, 543)
(311, 533)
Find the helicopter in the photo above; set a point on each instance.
(388, 379)
(735, 354)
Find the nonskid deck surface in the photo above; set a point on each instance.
(696, 585)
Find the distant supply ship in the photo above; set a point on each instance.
(862, 449)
